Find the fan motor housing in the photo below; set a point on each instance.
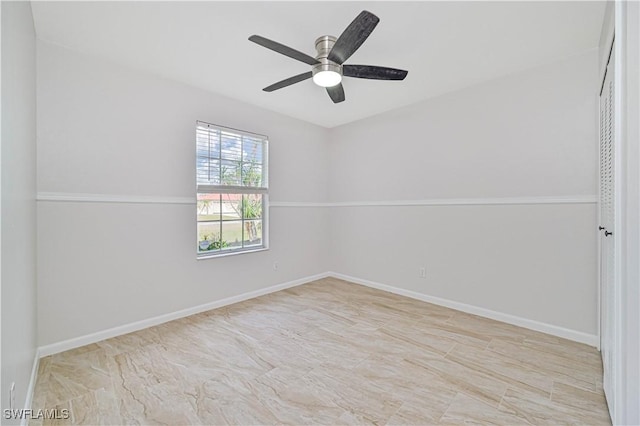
(324, 45)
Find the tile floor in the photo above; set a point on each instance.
(328, 352)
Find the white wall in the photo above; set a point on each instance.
(531, 134)
(105, 129)
(18, 191)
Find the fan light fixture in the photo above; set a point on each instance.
(327, 78)
(326, 73)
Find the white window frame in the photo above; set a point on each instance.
(236, 189)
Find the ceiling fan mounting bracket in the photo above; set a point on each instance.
(324, 45)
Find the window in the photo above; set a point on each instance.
(231, 177)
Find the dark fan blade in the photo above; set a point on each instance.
(281, 48)
(288, 82)
(373, 72)
(353, 37)
(336, 93)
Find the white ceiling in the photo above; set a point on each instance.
(444, 45)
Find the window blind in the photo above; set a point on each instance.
(230, 160)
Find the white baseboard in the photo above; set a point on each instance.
(76, 342)
(554, 330)
(32, 387)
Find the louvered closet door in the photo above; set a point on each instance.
(607, 234)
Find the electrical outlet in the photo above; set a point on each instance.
(12, 396)
(422, 273)
(275, 266)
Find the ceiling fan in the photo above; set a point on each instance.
(328, 66)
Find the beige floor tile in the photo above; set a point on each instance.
(581, 400)
(559, 368)
(513, 373)
(547, 412)
(465, 410)
(77, 374)
(469, 381)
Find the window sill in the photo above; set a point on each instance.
(230, 253)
